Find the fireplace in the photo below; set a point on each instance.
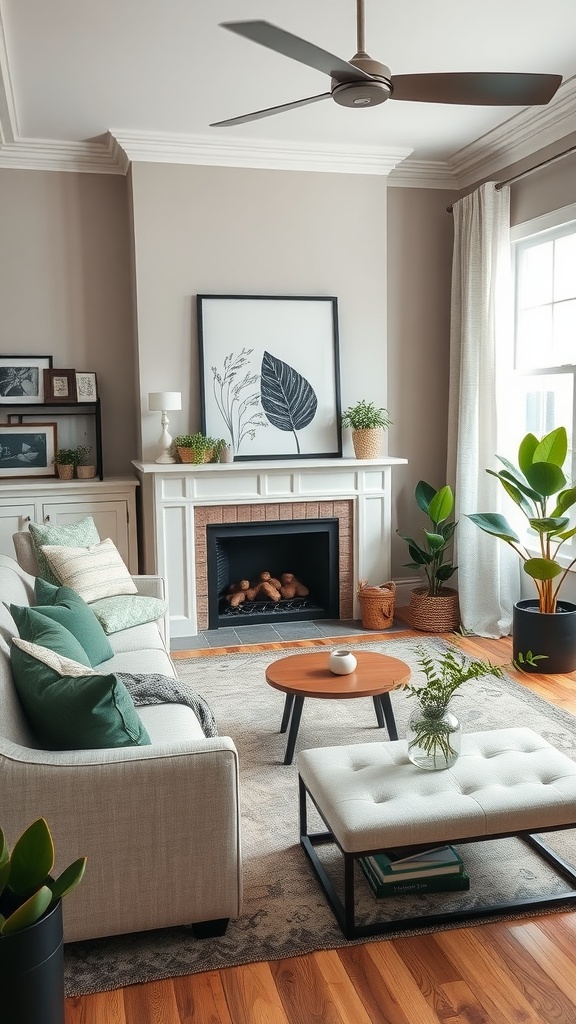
(307, 548)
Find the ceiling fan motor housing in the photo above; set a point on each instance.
(364, 94)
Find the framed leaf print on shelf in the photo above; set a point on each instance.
(27, 449)
(22, 379)
(270, 374)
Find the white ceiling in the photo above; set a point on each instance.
(155, 73)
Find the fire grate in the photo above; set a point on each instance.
(270, 607)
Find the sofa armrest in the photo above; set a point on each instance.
(155, 586)
(160, 827)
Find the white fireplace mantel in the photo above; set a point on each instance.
(170, 494)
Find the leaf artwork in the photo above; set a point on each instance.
(288, 399)
(236, 395)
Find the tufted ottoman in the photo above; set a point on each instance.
(506, 782)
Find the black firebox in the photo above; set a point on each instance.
(308, 548)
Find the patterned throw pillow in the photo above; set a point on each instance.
(74, 535)
(124, 611)
(93, 572)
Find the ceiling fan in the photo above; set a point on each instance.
(364, 82)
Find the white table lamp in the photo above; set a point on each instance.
(164, 401)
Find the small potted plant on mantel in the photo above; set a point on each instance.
(85, 468)
(367, 423)
(65, 460)
(194, 448)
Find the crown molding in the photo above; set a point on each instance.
(53, 155)
(423, 174)
(199, 149)
(519, 137)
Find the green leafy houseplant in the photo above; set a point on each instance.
(536, 480)
(27, 889)
(66, 457)
(83, 452)
(200, 446)
(365, 416)
(430, 556)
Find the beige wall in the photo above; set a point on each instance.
(420, 236)
(64, 287)
(240, 231)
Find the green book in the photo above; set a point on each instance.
(441, 861)
(459, 882)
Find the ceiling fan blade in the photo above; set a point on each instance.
(489, 89)
(270, 110)
(298, 49)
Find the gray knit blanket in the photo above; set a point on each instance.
(154, 688)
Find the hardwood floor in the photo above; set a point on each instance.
(499, 973)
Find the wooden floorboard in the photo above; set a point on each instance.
(503, 972)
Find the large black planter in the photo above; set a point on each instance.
(32, 972)
(553, 635)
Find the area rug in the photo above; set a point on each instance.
(284, 912)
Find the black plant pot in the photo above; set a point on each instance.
(553, 635)
(32, 972)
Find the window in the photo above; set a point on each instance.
(543, 367)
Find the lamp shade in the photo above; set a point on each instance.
(162, 401)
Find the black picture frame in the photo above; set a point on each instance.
(60, 387)
(270, 374)
(22, 379)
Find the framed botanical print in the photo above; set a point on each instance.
(27, 449)
(270, 374)
(86, 388)
(59, 387)
(22, 379)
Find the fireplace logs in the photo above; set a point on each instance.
(266, 588)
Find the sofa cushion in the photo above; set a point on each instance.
(93, 572)
(71, 711)
(39, 629)
(73, 535)
(64, 605)
(127, 610)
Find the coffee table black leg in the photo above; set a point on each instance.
(386, 705)
(287, 709)
(379, 712)
(294, 726)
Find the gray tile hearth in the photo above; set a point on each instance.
(268, 633)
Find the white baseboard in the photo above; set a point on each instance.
(403, 588)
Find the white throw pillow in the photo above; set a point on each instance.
(93, 572)
(63, 666)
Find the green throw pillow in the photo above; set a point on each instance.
(75, 535)
(67, 607)
(126, 610)
(84, 712)
(39, 629)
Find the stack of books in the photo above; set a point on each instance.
(396, 872)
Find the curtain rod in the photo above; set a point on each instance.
(529, 170)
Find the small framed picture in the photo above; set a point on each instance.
(86, 386)
(22, 379)
(27, 449)
(59, 387)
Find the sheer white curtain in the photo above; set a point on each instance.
(480, 338)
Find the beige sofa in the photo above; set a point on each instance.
(160, 824)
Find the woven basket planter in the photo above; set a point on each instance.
(367, 443)
(439, 614)
(377, 605)
(65, 472)
(187, 455)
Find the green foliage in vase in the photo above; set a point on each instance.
(444, 674)
(27, 889)
(66, 457)
(430, 556)
(365, 416)
(537, 478)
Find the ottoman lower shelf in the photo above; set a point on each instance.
(507, 783)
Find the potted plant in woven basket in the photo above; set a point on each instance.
(368, 424)
(85, 468)
(377, 604)
(434, 607)
(65, 460)
(195, 448)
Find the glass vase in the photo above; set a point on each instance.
(434, 737)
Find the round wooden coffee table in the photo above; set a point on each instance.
(308, 675)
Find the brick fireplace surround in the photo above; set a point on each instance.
(178, 502)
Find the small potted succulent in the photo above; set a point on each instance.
(368, 423)
(65, 460)
(85, 468)
(194, 448)
(31, 933)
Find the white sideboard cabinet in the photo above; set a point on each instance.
(111, 503)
